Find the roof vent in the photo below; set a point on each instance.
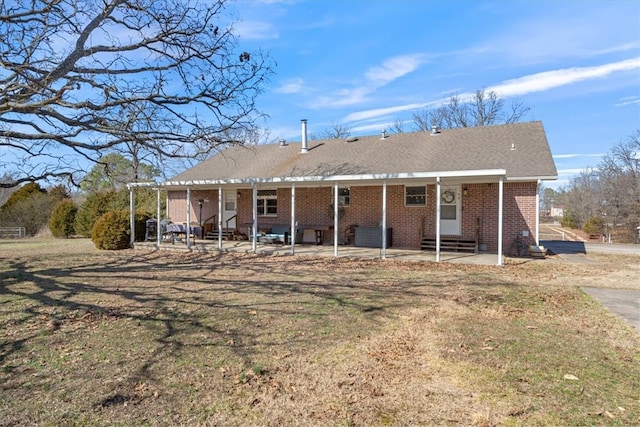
(283, 142)
(434, 130)
(352, 139)
(383, 134)
(513, 147)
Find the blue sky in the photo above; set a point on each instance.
(365, 64)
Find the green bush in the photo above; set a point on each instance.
(568, 220)
(62, 219)
(94, 206)
(111, 231)
(593, 225)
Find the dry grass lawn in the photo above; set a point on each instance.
(155, 338)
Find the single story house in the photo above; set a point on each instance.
(454, 189)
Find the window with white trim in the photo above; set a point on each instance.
(344, 196)
(415, 196)
(267, 203)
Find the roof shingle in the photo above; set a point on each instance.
(520, 148)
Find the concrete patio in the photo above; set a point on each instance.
(325, 250)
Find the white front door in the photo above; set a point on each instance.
(450, 209)
(229, 209)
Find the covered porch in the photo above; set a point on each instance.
(332, 237)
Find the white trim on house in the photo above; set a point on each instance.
(344, 179)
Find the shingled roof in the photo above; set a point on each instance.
(519, 150)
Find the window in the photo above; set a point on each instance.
(415, 196)
(267, 203)
(344, 196)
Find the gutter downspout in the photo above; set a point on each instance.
(383, 253)
(438, 189)
(500, 209)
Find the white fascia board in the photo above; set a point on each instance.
(339, 178)
(532, 178)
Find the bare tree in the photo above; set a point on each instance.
(80, 78)
(610, 192)
(336, 131)
(396, 127)
(482, 108)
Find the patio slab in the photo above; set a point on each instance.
(328, 251)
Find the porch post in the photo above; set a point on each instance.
(292, 233)
(438, 189)
(335, 219)
(220, 217)
(500, 208)
(254, 225)
(383, 253)
(159, 213)
(188, 230)
(132, 218)
(538, 213)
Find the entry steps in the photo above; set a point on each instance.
(449, 244)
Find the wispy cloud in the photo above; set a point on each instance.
(573, 171)
(256, 30)
(378, 112)
(374, 78)
(573, 156)
(540, 82)
(392, 69)
(628, 100)
(291, 86)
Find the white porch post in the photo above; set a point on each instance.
(335, 219)
(132, 218)
(383, 253)
(538, 213)
(438, 189)
(293, 219)
(188, 230)
(500, 208)
(254, 224)
(220, 217)
(159, 213)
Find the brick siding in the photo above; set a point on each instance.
(479, 217)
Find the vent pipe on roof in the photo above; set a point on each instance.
(283, 142)
(305, 148)
(434, 130)
(383, 134)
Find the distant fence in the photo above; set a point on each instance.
(12, 232)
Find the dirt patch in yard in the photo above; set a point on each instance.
(134, 337)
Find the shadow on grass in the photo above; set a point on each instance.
(203, 300)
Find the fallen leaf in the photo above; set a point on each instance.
(570, 377)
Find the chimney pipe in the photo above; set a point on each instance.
(305, 148)
(384, 134)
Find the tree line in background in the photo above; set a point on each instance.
(605, 199)
(100, 211)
